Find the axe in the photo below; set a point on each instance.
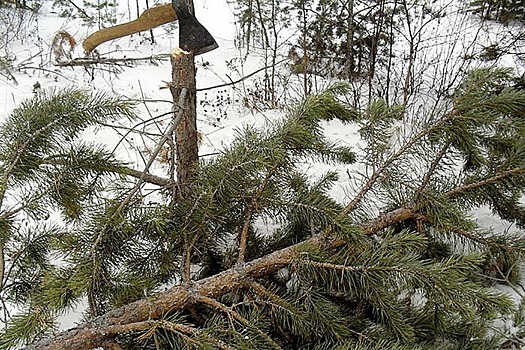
(193, 37)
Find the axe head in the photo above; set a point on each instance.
(193, 36)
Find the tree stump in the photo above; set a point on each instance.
(186, 139)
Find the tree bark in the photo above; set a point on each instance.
(187, 151)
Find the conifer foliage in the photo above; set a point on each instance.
(401, 265)
(45, 167)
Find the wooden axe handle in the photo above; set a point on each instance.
(149, 19)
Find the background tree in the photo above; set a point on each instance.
(346, 44)
(503, 11)
(263, 30)
(508, 42)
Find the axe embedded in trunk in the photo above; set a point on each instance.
(193, 37)
(192, 34)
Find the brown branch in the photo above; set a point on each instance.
(187, 253)
(243, 235)
(221, 307)
(144, 175)
(109, 61)
(388, 219)
(460, 190)
(233, 82)
(2, 265)
(149, 178)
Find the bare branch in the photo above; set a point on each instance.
(219, 306)
(508, 173)
(149, 178)
(243, 78)
(110, 61)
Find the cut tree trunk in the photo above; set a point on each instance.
(186, 140)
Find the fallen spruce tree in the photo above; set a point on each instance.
(257, 255)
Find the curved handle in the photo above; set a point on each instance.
(149, 19)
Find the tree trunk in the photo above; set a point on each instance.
(186, 139)
(187, 151)
(349, 62)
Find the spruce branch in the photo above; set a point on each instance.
(40, 149)
(212, 287)
(42, 124)
(391, 159)
(64, 160)
(431, 169)
(458, 191)
(347, 268)
(411, 209)
(297, 319)
(27, 327)
(40, 240)
(179, 297)
(516, 246)
(131, 193)
(239, 185)
(238, 317)
(229, 280)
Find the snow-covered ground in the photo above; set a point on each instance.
(220, 110)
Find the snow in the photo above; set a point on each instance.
(220, 110)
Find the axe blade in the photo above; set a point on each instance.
(193, 37)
